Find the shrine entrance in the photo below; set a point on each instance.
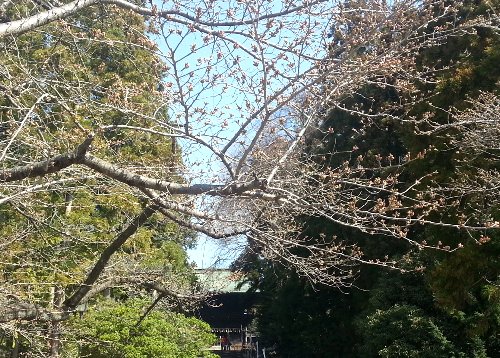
(229, 311)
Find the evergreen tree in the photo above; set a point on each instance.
(450, 309)
(113, 329)
(74, 77)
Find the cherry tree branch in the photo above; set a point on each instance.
(17, 311)
(106, 254)
(48, 166)
(139, 181)
(21, 26)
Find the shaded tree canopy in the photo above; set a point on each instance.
(112, 331)
(443, 303)
(101, 98)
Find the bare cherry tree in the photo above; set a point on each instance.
(244, 83)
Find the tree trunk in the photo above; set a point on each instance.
(14, 353)
(55, 326)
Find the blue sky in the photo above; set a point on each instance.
(211, 253)
(193, 53)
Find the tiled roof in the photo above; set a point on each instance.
(222, 280)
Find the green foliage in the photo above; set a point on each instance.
(459, 279)
(300, 320)
(407, 300)
(403, 331)
(78, 75)
(449, 309)
(110, 330)
(98, 61)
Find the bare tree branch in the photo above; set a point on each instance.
(49, 166)
(106, 254)
(29, 312)
(21, 26)
(240, 93)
